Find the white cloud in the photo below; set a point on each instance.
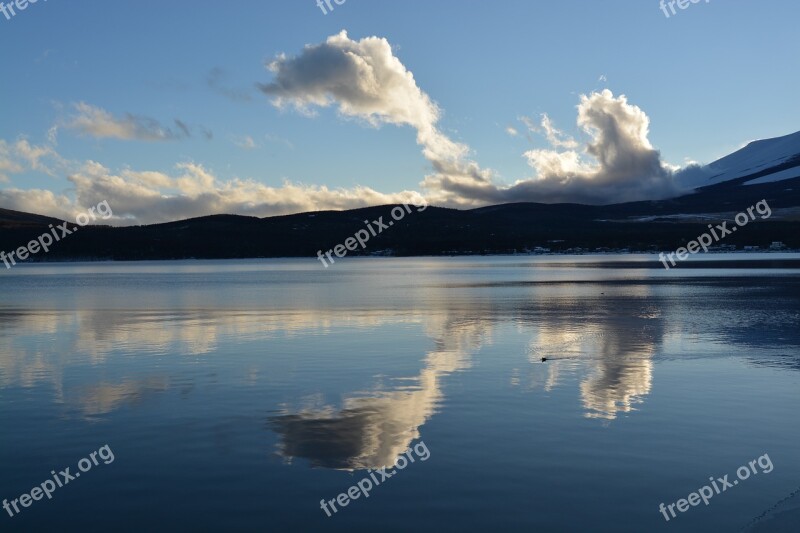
(34, 155)
(616, 164)
(365, 80)
(37, 201)
(21, 156)
(7, 163)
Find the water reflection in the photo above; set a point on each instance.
(341, 369)
(615, 356)
(607, 344)
(372, 431)
(622, 375)
(367, 430)
(103, 398)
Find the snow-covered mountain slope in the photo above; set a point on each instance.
(773, 159)
(758, 157)
(764, 161)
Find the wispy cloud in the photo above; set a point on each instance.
(555, 136)
(217, 80)
(100, 124)
(43, 56)
(245, 142)
(270, 138)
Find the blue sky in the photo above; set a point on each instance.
(709, 78)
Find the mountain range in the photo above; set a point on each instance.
(763, 170)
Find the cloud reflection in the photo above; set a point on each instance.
(103, 398)
(367, 429)
(372, 431)
(613, 354)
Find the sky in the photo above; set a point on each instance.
(171, 110)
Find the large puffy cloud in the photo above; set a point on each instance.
(616, 164)
(363, 77)
(365, 80)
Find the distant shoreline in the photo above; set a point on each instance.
(777, 259)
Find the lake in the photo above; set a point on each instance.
(548, 393)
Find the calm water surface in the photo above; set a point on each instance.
(237, 395)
